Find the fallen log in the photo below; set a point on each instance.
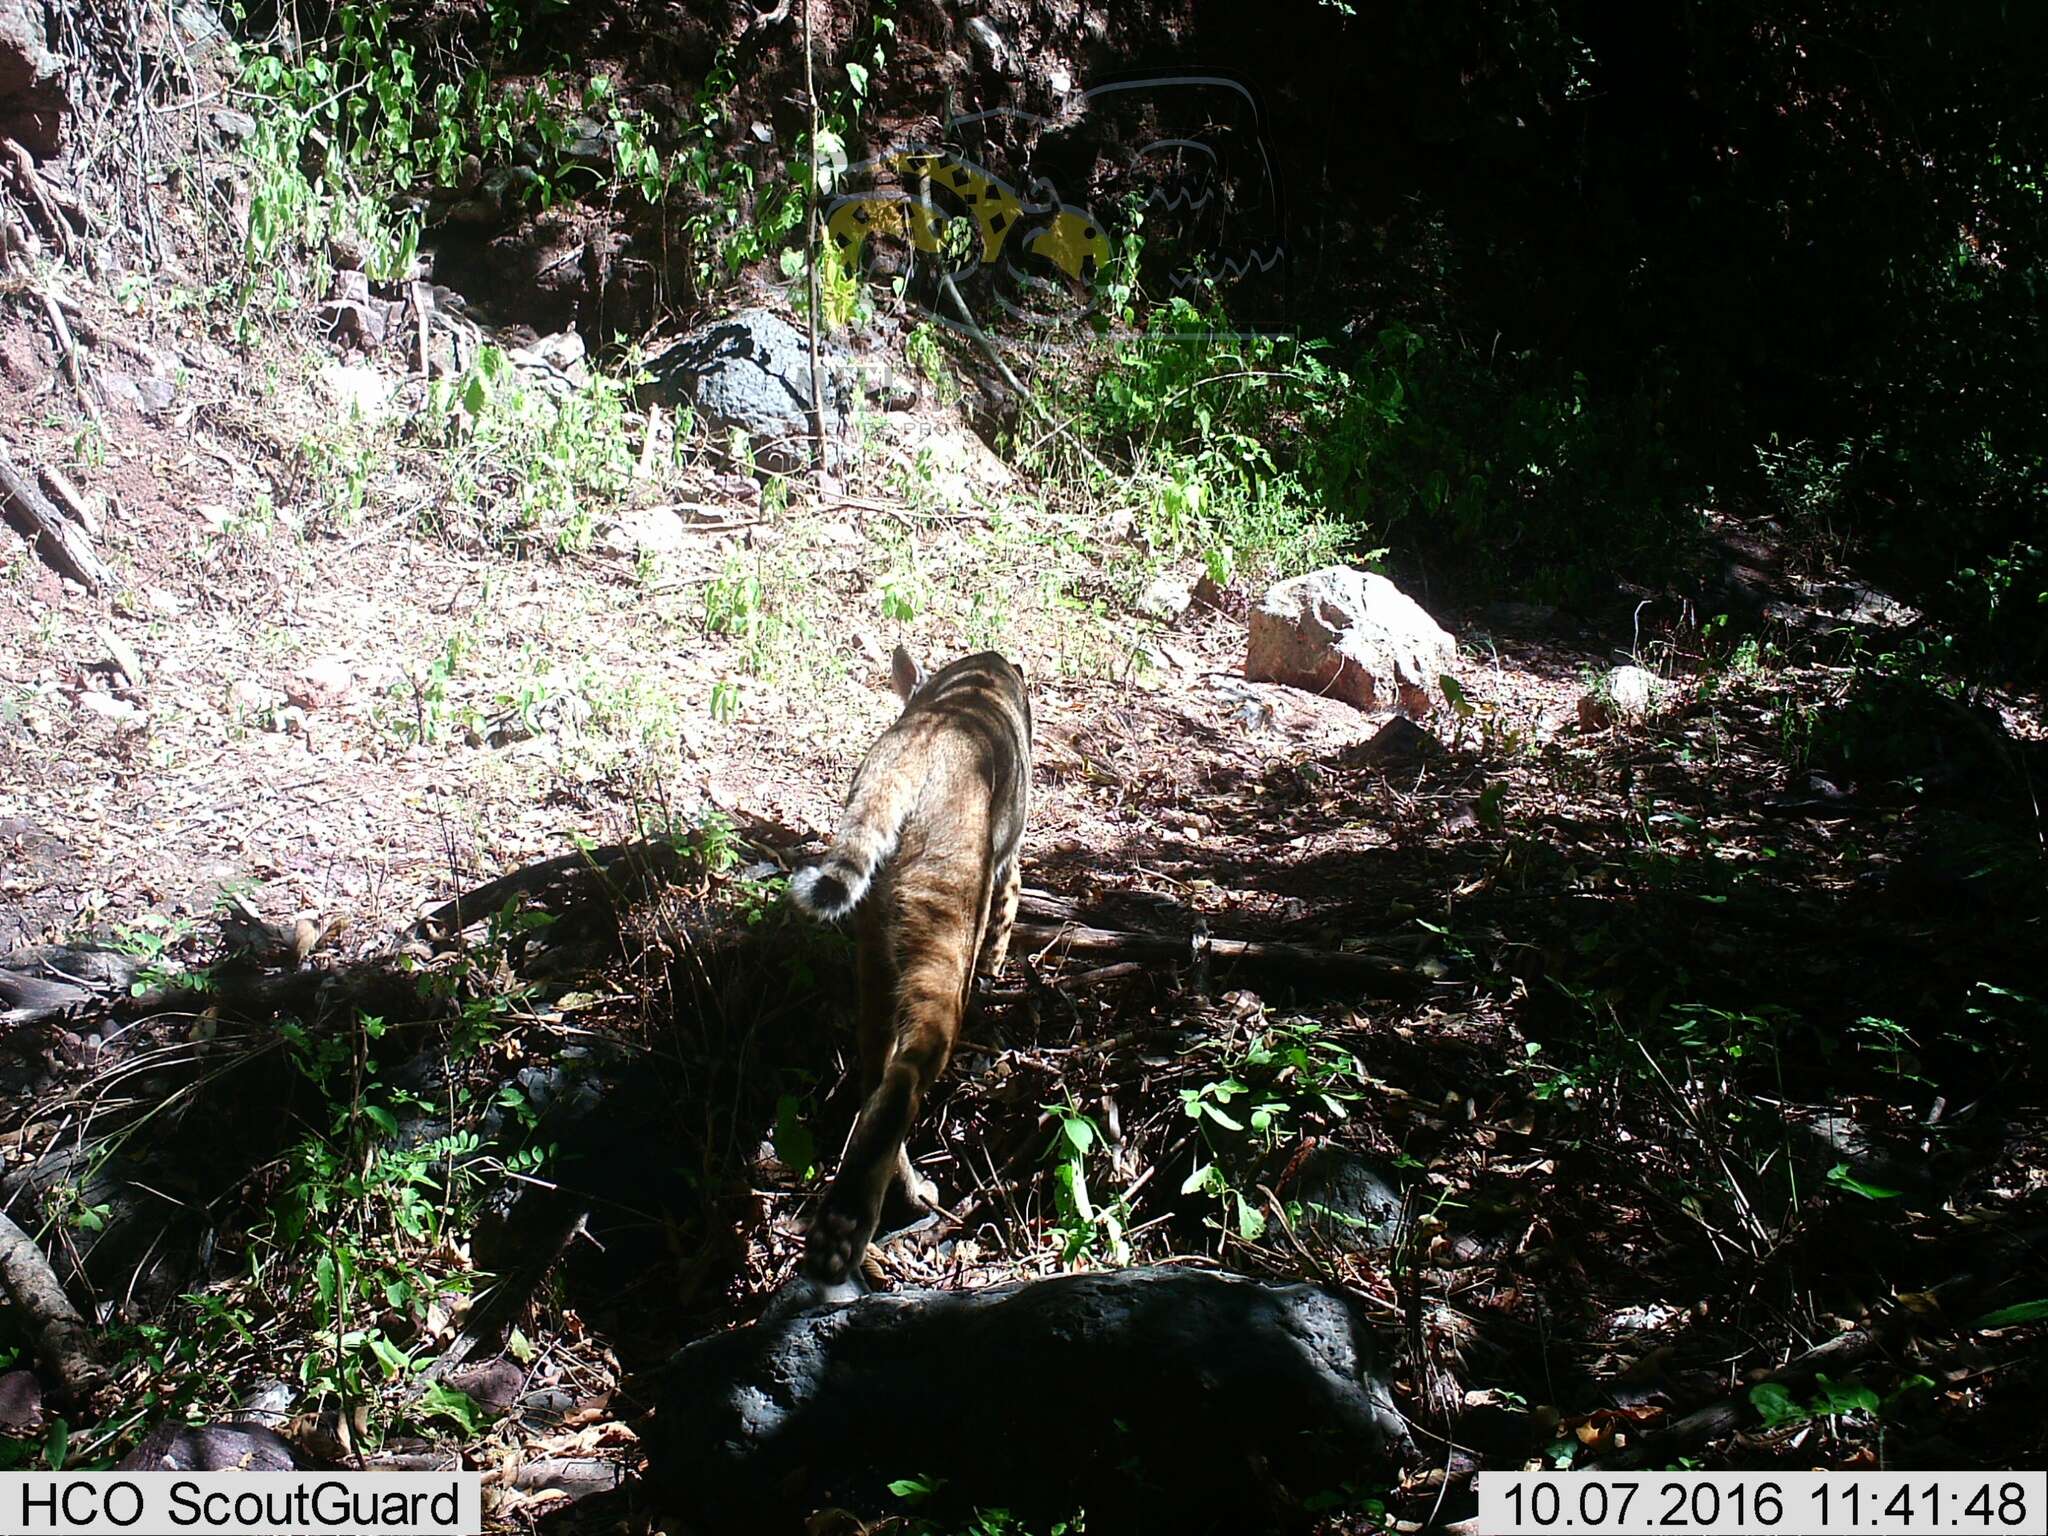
(1162, 1399)
(62, 1341)
(58, 541)
(51, 980)
(1375, 972)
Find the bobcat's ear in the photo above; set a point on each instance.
(905, 673)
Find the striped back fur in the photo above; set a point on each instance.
(926, 858)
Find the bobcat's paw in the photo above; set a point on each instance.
(800, 1293)
(832, 1252)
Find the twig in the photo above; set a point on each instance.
(67, 348)
(1031, 401)
(65, 495)
(62, 1340)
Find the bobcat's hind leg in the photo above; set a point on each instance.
(916, 1188)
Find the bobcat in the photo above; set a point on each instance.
(926, 857)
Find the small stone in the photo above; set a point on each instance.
(320, 684)
(107, 707)
(1166, 597)
(1626, 693)
(359, 391)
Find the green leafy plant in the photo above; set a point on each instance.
(1087, 1225)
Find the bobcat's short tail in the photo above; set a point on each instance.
(834, 886)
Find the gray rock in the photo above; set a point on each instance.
(1352, 635)
(753, 372)
(141, 393)
(1177, 1399)
(230, 124)
(988, 43)
(1349, 1199)
(268, 1405)
(172, 1447)
(1166, 597)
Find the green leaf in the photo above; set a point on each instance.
(382, 1118)
(1842, 1178)
(915, 1489)
(1079, 1132)
(390, 1358)
(1251, 1221)
(795, 1147)
(2005, 1317)
(1206, 1180)
(859, 77)
(57, 1445)
(1847, 1397)
(1775, 1406)
(442, 1401)
(324, 1278)
(1221, 1118)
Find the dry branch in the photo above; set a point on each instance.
(1375, 973)
(60, 543)
(65, 495)
(62, 1341)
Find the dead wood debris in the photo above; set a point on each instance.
(62, 544)
(62, 1340)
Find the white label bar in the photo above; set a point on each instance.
(241, 1503)
(1763, 1503)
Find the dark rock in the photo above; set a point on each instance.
(493, 1384)
(31, 80)
(1350, 1199)
(1171, 1398)
(1865, 1153)
(752, 372)
(210, 1448)
(21, 1403)
(1400, 743)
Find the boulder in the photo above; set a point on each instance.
(31, 80)
(752, 372)
(1352, 635)
(1169, 1398)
